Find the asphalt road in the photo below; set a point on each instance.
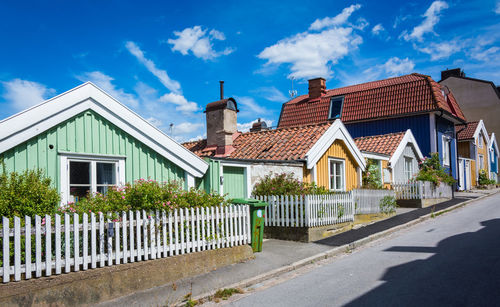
(450, 260)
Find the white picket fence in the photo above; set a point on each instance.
(422, 190)
(308, 210)
(71, 243)
(368, 201)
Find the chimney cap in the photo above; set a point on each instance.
(228, 103)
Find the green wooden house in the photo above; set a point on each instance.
(85, 140)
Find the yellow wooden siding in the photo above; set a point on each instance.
(473, 173)
(338, 150)
(483, 151)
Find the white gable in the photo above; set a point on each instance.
(35, 120)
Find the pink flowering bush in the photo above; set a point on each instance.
(148, 195)
(432, 170)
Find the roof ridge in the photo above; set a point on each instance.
(379, 135)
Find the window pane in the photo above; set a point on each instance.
(78, 192)
(102, 189)
(338, 168)
(79, 172)
(338, 183)
(336, 107)
(105, 173)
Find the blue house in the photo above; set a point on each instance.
(391, 105)
(493, 155)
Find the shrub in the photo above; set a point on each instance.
(431, 170)
(286, 184)
(371, 176)
(483, 178)
(388, 204)
(148, 195)
(26, 193)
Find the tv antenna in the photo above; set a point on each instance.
(292, 92)
(171, 128)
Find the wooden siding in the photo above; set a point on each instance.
(235, 185)
(398, 168)
(464, 149)
(90, 133)
(338, 150)
(482, 151)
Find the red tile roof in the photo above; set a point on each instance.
(466, 131)
(385, 144)
(279, 144)
(403, 95)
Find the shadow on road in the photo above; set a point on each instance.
(464, 271)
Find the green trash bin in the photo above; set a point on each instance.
(257, 219)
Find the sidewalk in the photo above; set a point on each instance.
(278, 256)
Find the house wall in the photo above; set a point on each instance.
(473, 178)
(210, 182)
(482, 151)
(494, 161)
(337, 150)
(398, 168)
(419, 125)
(464, 149)
(259, 171)
(385, 165)
(446, 127)
(90, 133)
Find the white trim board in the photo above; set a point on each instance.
(37, 119)
(337, 131)
(493, 141)
(481, 128)
(408, 138)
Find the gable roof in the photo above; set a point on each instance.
(391, 144)
(26, 124)
(471, 130)
(399, 96)
(493, 142)
(300, 143)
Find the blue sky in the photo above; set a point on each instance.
(163, 59)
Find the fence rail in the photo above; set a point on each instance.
(368, 201)
(422, 190)
(70, 243)
(308, 210)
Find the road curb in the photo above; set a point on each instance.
(335, 251)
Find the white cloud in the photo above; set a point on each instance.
(162, 75)
(486, 54)
(184, 131)
(105, 82)
(377, 29)
(341, 18)
(443, 50)
(271, 93)
(396, 66)
(497, 8)
(155, 122)
(22, 94)
(197, 41)
(245, 127)
(250, 105)
(182, 103)
(311, 54)
(431, 18)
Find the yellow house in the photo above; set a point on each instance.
(473, 152)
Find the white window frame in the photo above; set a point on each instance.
(481, 161)
(66, 158)
(446, 150)
(480, 141)
(408, 171)
(342, 161)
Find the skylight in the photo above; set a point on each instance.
(336, 104)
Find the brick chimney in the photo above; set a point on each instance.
(258, 126)
(455, 72)
(221, 123)
(317, 88)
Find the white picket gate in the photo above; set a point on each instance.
(308, 210)
(422, 190)
(70, 243)
(367, 201)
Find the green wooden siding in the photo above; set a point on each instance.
(234, 182)
(90, 133)
(210, 182)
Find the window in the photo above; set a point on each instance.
(446, 151)
(337, 175)
(481, 161)
(480, 140)
(408, 168)
(492, 155)
(336, 107)
(83, 174)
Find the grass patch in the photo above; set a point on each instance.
(224, 294)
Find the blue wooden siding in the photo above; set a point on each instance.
(494, 163)
(419, 125)
(446, 127)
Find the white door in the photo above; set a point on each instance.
(461, 182)
(467, 175)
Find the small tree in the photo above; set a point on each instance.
(371, 176)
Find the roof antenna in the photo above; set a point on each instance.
(292, 92)
(171, 128)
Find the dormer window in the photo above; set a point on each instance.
(336, 104)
